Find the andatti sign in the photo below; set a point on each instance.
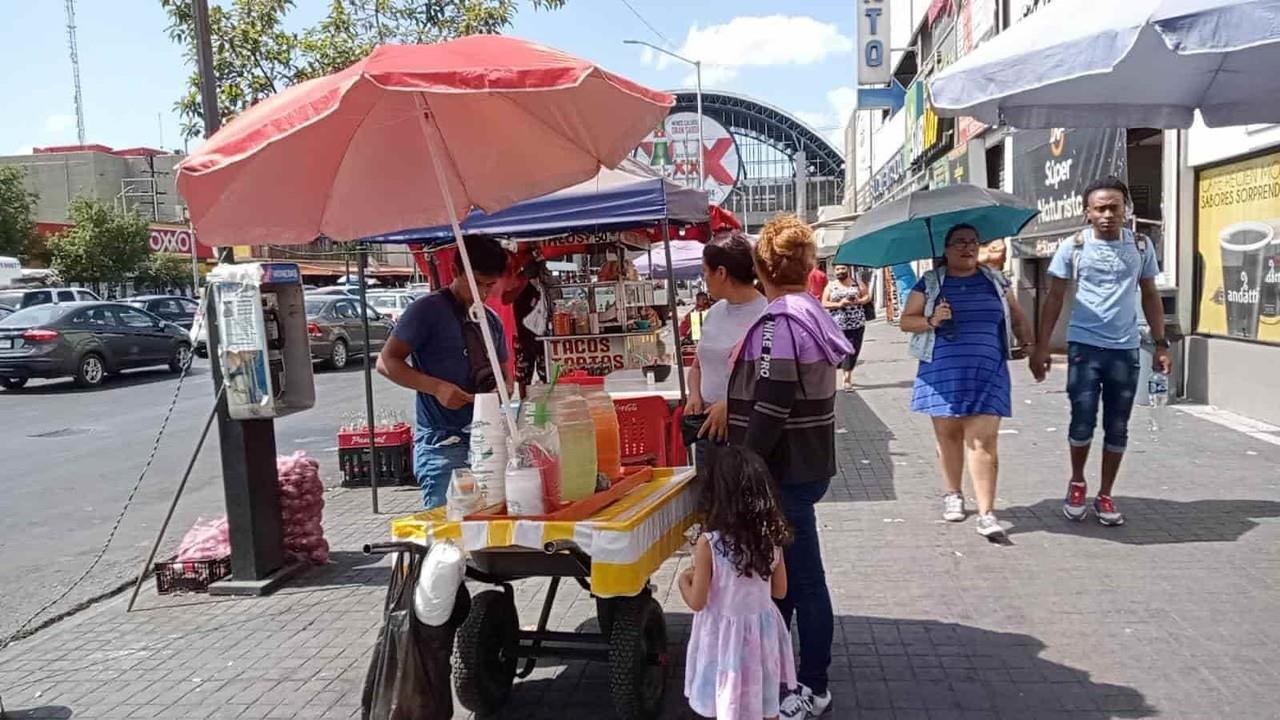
(874, 67)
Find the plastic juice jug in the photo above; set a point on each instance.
(605, 419)
(572, 415)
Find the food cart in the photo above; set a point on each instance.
(610, 554)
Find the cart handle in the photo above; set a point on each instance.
(393, 547)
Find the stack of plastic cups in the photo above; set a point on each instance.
(489, 450)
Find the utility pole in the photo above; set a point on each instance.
(248, 447)
(70, 7)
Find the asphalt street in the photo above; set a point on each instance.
(68, 458)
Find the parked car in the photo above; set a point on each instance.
(344, 290)
(392, 303)
(179, 310)
(27, 297)
(6, 311)
(87, 341)
(336, 330)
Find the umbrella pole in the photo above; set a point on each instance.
(432, 132)
(368, 378)
(677, 357)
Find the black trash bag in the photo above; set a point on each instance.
(409, 675)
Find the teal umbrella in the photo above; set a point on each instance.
(915, 227)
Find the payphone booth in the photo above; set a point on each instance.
(263, 347)
(258, 340)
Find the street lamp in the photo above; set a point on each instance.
(697, 68)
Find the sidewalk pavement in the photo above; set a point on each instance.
(1172, 615)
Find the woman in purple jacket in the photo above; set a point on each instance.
(782, 405)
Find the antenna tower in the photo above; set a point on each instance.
(75, 67)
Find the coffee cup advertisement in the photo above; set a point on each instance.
(1238, 250)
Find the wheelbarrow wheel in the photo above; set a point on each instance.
(484, 660)
(637, 657)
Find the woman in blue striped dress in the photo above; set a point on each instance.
(963, 321)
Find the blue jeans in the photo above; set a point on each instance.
(808, 598)
(433, 463)
(1103, 375)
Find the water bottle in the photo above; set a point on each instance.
(1158, 392)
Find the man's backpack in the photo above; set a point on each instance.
(1077, 250)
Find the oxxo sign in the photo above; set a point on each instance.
(174, 240)
(873, 42)
(179, 241)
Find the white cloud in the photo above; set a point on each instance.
(758, 41)
(830, 122)
(647, 55)
(59, 123)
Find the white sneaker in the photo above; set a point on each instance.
(989, 527)
(953, 507)
(802, 704)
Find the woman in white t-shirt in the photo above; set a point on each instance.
(729, 271)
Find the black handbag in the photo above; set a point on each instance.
(689, 427)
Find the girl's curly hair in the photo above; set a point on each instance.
(739, 500)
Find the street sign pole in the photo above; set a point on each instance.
(248, 447)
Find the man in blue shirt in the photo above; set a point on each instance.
(1111, 267)
(430, 332)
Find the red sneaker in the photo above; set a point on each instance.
(1105, 508)
(1074, 507)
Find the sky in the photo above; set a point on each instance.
(797, 56)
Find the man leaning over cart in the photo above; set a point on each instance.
(449, 366)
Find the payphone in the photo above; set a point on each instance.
(263, 347)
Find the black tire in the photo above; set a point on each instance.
(484, 656)
(181, 357)
(339, 355)
(637, 657)
(13, 383)
(91, 370)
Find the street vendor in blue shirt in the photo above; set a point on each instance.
(449, 366)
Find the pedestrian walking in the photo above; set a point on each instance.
(782, 406)
(449, 366)
(845, 300)
(817, 280)
(963, 321)
(1111, 267)
(728, 269)
(739, 654)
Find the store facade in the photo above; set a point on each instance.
(1231, 269)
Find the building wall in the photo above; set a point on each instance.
(1234, 375)
(58, 178)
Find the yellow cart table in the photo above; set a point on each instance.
(612, 554)
(626, 541)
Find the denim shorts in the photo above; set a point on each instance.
(1101, 376)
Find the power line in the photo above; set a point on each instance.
(647, 24)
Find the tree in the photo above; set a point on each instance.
(17, 226)
(162, 271)
(103, 245)
(254, 55)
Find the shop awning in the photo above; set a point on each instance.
(627, 197)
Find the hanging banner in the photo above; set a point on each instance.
(1051, 168)
(873, 42)
(1238, 249)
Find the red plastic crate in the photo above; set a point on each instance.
(399, 434)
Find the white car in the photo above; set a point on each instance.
(392, 303)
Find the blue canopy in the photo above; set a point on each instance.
(621, 199)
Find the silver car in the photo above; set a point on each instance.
(336, 330)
